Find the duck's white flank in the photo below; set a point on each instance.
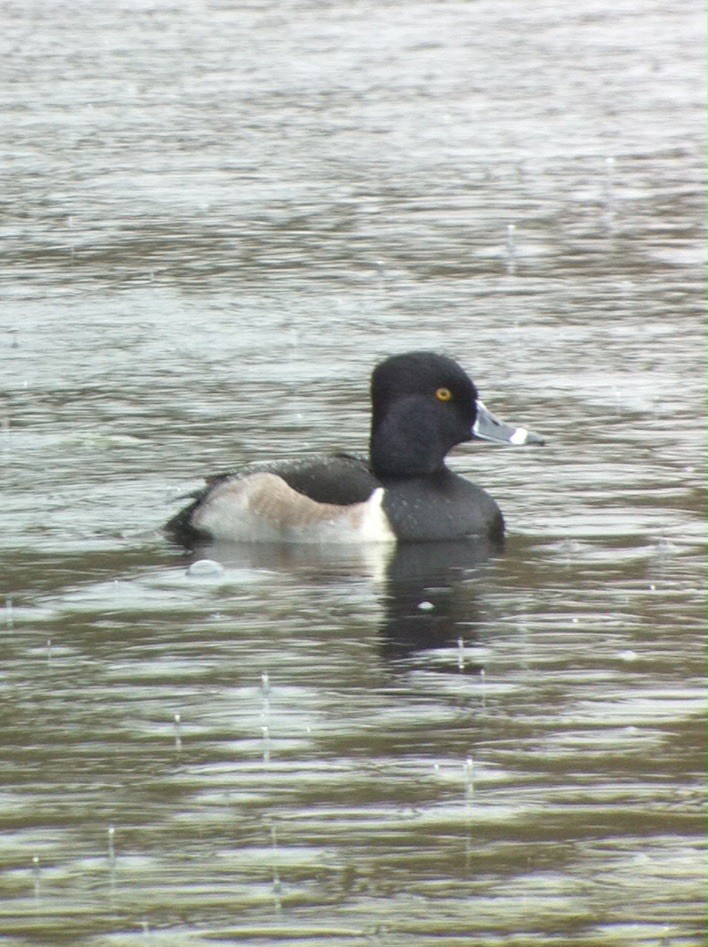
(263, 508)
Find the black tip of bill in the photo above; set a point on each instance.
(489, 428)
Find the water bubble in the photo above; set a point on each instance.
(628, 656)
(204, 568)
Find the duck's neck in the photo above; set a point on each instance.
(404, 443)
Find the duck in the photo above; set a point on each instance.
(422, 405)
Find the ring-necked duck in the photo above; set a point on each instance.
(423, 404)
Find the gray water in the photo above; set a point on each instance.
(216, 217)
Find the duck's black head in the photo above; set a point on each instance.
(422, 405)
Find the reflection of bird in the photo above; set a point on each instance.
(426, 601)
(423, 404)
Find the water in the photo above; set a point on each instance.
(216, 218)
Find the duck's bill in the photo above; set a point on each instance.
(489, 428)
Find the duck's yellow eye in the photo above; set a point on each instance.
(443, 394)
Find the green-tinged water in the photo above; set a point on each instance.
(216, 218)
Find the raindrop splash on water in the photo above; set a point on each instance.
(111, 847)
(469, 780)
(460, 654)
(609, 194)
(36, 876)
(111, 860)
(511, 249)
(277, 889)
(265, 699)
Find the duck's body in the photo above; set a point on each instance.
(325, 499)
(335, 499)
(423, 404)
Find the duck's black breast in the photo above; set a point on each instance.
(440, 506)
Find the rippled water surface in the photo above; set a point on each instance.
(216, 216)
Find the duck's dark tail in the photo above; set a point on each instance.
(180, 527)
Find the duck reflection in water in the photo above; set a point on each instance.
(428, 599)
(425, 591)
